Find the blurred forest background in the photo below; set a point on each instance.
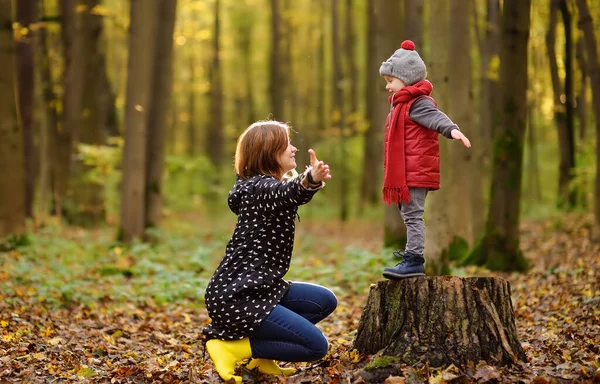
(122, 113)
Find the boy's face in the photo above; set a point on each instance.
(394, 84)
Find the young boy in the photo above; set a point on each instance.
(411, 150)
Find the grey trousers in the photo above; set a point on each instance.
(412, 213)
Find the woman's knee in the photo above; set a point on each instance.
(318, 348)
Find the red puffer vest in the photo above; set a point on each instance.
(422, 151)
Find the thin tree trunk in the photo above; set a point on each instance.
(86, 206)
(464, 174)
(339, 118)
(439, 224)
(214, 142)
(499, 248)
(535, 189)
(352, 76)
(26, 16)
(191, 127)
(71, 114)
(581, 99)
(12, 171)
(142, 32)
(275, 81)
(370, 184)
(50, 122)
(563, 108)
(387, 13)
(157, 117)
(586, 25)
(488, 101)
(413, 22)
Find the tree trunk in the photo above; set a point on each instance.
(12, 170)
(72, 97)
(26, 16)
(376, 107)
(488, 105)
(191, 127)
(438, 222)
(581, 100)
(352, 70)
(142, 32)
(586, 25)
(86, 204)
(563, 108)
(499, 248)
(275, 81)
(462, 188)
(49, 126)
(157, 119)
(441, 320)
(338, 113)
(214, 141)
(386, 29)
(413, 20)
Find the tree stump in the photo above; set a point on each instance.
(442, 320)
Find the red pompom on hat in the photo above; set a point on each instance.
(407, 44)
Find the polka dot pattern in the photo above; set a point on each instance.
(248, 283)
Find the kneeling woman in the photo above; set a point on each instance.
(255, 313)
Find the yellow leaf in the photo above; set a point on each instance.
(8, 338)
(3, 323)
(354, 356)
(39, 356)
(187, 318)
(56, 340)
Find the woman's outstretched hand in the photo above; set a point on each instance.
(320, 170)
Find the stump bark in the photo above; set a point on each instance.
(442, 320)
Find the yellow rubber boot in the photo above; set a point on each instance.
(269, 367)
(225, 354)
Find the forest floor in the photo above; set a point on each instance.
(77, 307)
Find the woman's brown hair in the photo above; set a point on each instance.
(258, 149)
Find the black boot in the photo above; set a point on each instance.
(411, 266)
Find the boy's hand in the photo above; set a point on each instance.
(320, 170)
(458, 135)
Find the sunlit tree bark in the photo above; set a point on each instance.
(563, 103)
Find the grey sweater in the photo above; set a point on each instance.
(424, 112)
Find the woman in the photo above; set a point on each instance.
(255, 313)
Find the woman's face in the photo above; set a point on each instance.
(287, 160)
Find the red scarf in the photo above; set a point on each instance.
(395, 189)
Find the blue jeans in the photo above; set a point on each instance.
(289, 332)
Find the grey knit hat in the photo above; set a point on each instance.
(405, 64)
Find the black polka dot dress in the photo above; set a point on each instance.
(248, 283)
